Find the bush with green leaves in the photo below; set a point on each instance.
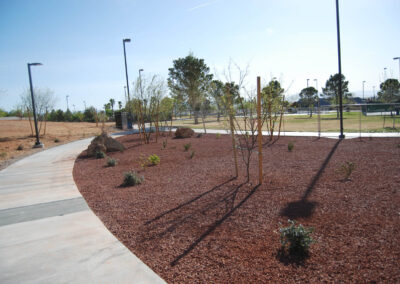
(296, 239)
(218, 135)
(153, 159)
(192, 154)
(290, 146)
(187, 146)
(100, 155)
(132, 179)
(111, 162)
(346, 169)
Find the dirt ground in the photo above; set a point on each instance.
(192, 222)
(14, 133)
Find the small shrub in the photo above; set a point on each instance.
(56, 140)
(184, 132)
(100, 155)
(218, 135)
(153, 159)
(20, 147)
(296, 239)
(346, 169)
(164, 143)
(111, 162)
(290, 146)
(132, 179)
(142, 161)
(187, 146)
(192, 154)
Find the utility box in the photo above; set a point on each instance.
(122, 120)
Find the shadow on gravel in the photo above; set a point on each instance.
(304, 208)
(291, 259)
(199, 216)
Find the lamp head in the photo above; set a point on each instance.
(396, 58)
(126, 40)
(35, 64)
(140, 70)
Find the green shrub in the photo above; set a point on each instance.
(218, 135)
(132, 179)
(346, 169)
(153, 159)
(20, 147)
(296, 239)
(111, 162)
(187, 146)
(192, 154)
(290, 146)
(100, 155)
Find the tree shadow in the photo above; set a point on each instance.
(291, 259)
(204, 212)
(304, 208)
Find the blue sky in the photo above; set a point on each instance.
(80, 43)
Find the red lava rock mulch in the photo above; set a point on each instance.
(191, 222)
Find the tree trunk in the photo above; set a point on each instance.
(196, 117)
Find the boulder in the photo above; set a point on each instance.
(104, 143)
(184, 132)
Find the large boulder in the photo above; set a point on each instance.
(184, 132)
(104, 143)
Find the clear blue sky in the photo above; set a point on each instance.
(80, 42)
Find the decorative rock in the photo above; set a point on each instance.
(184, 132)
(104, 143)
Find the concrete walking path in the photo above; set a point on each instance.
(48, 234)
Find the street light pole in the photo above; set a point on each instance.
(38, 144)
(341, 136)
(140, 81)
(319, 113)
(307, 82)
(384, 74)
(126, 73)
(67, 102)
(398, 58)
(363, 83)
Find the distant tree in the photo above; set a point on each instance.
(68, 116)
(190, 78)
(112, 103)
(3, 113)
(309, 97)
(331, 90)
(119, 105)
(272, 100)
(89, 115)
(166, 108)
(390, 91)
(217, 92)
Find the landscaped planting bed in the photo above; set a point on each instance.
(192, 222)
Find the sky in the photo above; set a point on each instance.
(79, 43)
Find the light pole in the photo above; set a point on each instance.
(307, 82)
(140, 81)
(341, 136)
(373, 91)
(398, 58)
(38, 144)
(84, 103)
(126, 74)
(67, 102)
(363, 83)
(384, 74)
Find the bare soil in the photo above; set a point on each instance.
(14, 133)
(192, 222)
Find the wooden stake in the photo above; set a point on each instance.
(260, 173)
(233, 133)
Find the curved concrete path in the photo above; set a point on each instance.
(47, 232)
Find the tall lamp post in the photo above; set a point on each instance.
(307, 82)
(126, 74)
(140, 81)
(341, 136)
(67, 102)
(38, 144)
(398, 58)
(319, 112)
(363, 88)
(384, 74)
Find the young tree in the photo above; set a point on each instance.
(119, 105)
(309, 97)
(390, 91)
(272, 101)
(112, 103)
(190, 78)
(331, 90)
